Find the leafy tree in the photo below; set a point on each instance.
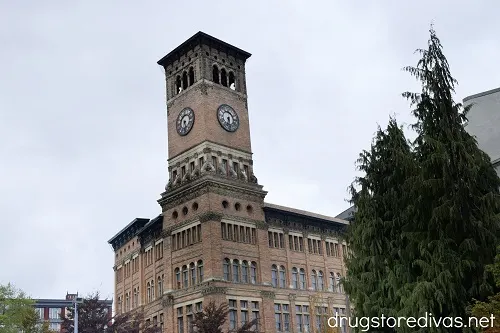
(455, 200)
(213, 317)
(375, 268)
(93, 316)
(317, 301)
(16, 311)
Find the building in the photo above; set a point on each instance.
(216, 238)
(54, 310)
(484, 123)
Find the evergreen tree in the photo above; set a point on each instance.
(374, 271)
(455, 200)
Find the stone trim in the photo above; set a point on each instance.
(268, 294)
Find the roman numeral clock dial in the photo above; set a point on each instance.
(228, 118)
(185, 121)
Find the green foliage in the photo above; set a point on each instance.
(375, 269)
(92, 316)
(16, 311)
(213, 317)
(427, 215)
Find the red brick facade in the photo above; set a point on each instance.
(216, 238)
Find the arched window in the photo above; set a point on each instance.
(244, 272)
(321, 284)
(191, 76)
(236, 271)
(178, 278)
(314, 280)
(331, 287)
(274, 276)
(232, 83)
(192, 272)
(227, 269)
(178, 84)
(148, 288)
(295, 278)
(160, 286)
(127, 302)
(152, 289)
(135, 302)
(339, 285)
(185, 276)
(253, 272)
(200, 271)
(302, 280)
(119, 305)
(282, 280)
(215, 74)
(185, 82)
(223, 77)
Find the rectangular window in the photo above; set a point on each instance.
(236, 167)
(161, 322)
(55, 313)
(214, 161)
(223, 230)
(174, 175)
(282, 241)
(245, 167)
(270, 237)
(183, 171)
(180, 321)
(224, 166)
(232, 314)
(191, 167)
(201, 161)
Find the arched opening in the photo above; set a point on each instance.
(321, 284)
(302, 281)
(178, 278)
(185, 277)
(295, 278)
(314, 280)
(274, 276)
(236, 271)
(192, 272)
(185, 83)
(178, 84)
(215, 74)
(232, 83)
(200, 271)
(226, 269)
(152, 290)
(244, 272)
(148, 287)
(332, 282)
(223, 77)
(282, 277)
(191, 76)
(253, 272)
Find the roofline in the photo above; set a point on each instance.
(304, 213)
(492, 91)
(200, 37)
(125, 228)
(149, 224)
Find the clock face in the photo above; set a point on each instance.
(228, 118)
(185, 121)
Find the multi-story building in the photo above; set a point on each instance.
(216, 238)
(54, 310)
(484, 122)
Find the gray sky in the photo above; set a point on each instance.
(83, 116)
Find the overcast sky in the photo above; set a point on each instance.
(83, 146)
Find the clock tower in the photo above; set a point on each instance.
(209, 150)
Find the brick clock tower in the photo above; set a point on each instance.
(212, 205)
(216, 238)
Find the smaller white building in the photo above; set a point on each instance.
(484, 122)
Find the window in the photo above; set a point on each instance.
(282, 317)
(276, 239)
(321, 285)
(244, 271)
(302, 281)
(55, 327)
(227, 269)
(191, 76)
(295, 278)
(185, 238)
(253, 272)
(199, 306)
(255, 315)
(238, 233)
(200, 271)
(152, 290)
(161, 322)
(214, 162)
(232, 314)
(159, 251)
(236, 271)
(331, 286)
(178, 278)
(244, 312)
(321, 318)
(296, 243)
(189, 317)
(215, 74)
(160, 285)
(135, 301)
(185, 278)
(282, 277)
(127, 302)
(180, 321)
(148, 288)
(314, 246)
(302, 318)
(274, 276)
(339, 285)
(192, 273)
(314, 280)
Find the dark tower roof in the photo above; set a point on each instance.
(201, 38)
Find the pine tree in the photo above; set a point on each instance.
(455, 200)
(374, 270)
